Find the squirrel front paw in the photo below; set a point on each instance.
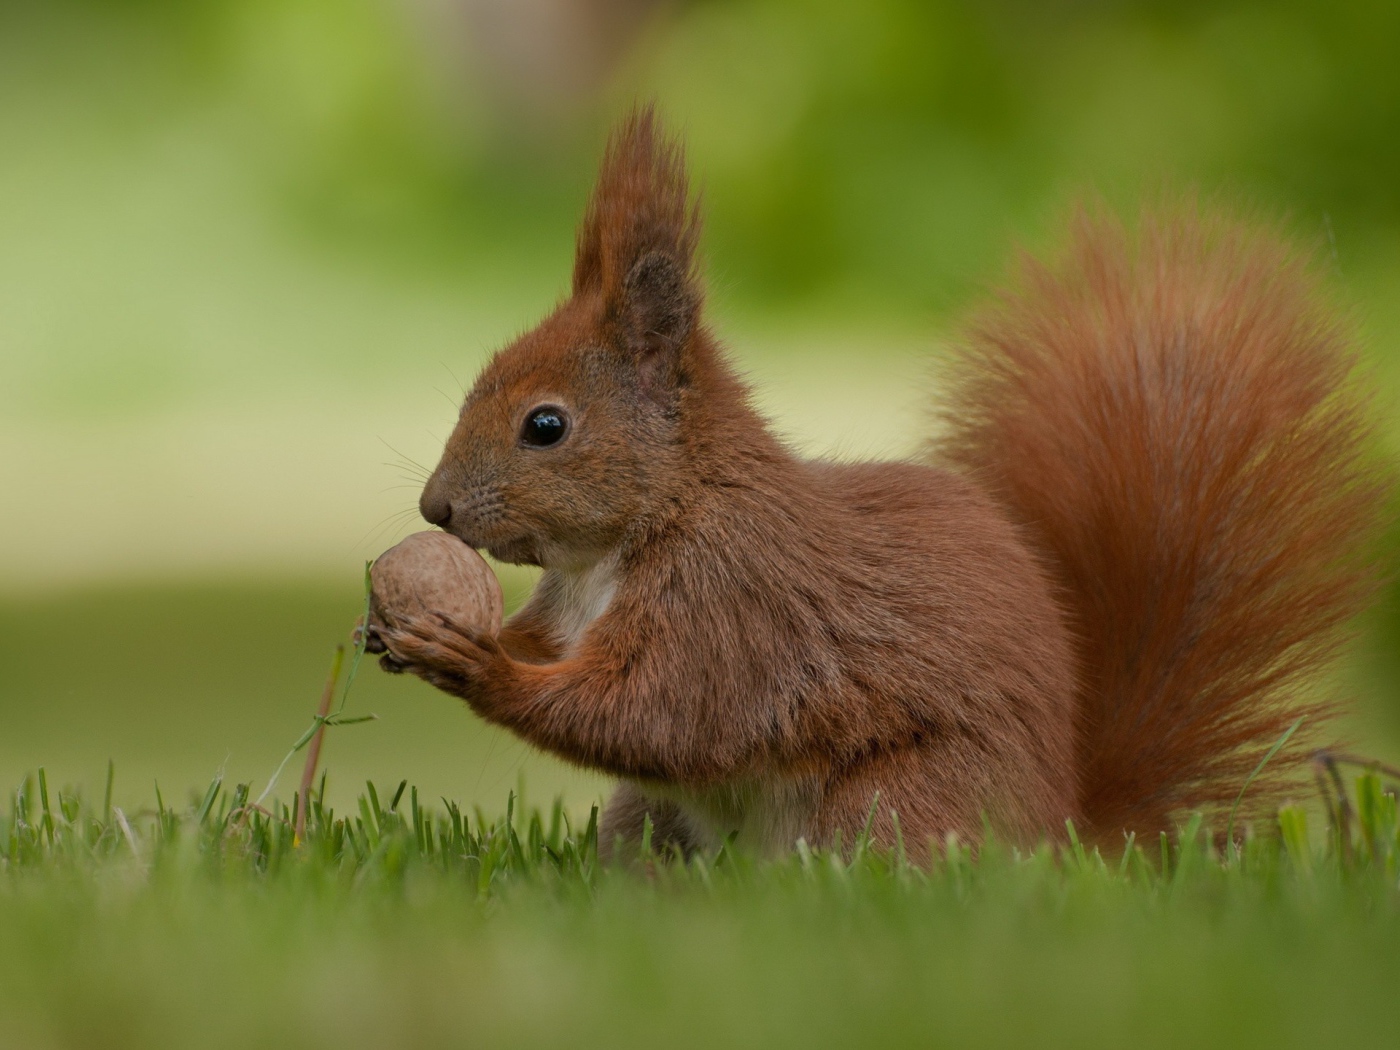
(369, 634)
(443, 653)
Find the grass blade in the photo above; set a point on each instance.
(1278, 746)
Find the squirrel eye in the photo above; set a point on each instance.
(544, 427)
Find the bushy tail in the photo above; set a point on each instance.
(1173, 414)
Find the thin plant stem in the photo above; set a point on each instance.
(313, 752)
(320, 721)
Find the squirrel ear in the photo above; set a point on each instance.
(641, 205)
(636, 249)
(659, 301)
(658, 308)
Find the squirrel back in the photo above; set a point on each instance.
(1173, 416)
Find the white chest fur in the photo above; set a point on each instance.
(580, 596)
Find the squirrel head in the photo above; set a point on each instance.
(571, 434)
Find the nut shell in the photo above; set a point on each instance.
(433, 572)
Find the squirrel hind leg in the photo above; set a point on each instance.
(623, 825)
(921, 795)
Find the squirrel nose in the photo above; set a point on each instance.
(434, 505)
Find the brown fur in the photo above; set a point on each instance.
(757, 644)
(1175, 417)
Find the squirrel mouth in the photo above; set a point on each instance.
(518, 551)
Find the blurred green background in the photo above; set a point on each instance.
(252, 250)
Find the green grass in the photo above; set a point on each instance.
(399, 923)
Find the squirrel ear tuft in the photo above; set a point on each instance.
(637, 241)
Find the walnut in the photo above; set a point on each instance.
(433, 572)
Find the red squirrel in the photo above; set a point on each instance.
(1100, 594)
